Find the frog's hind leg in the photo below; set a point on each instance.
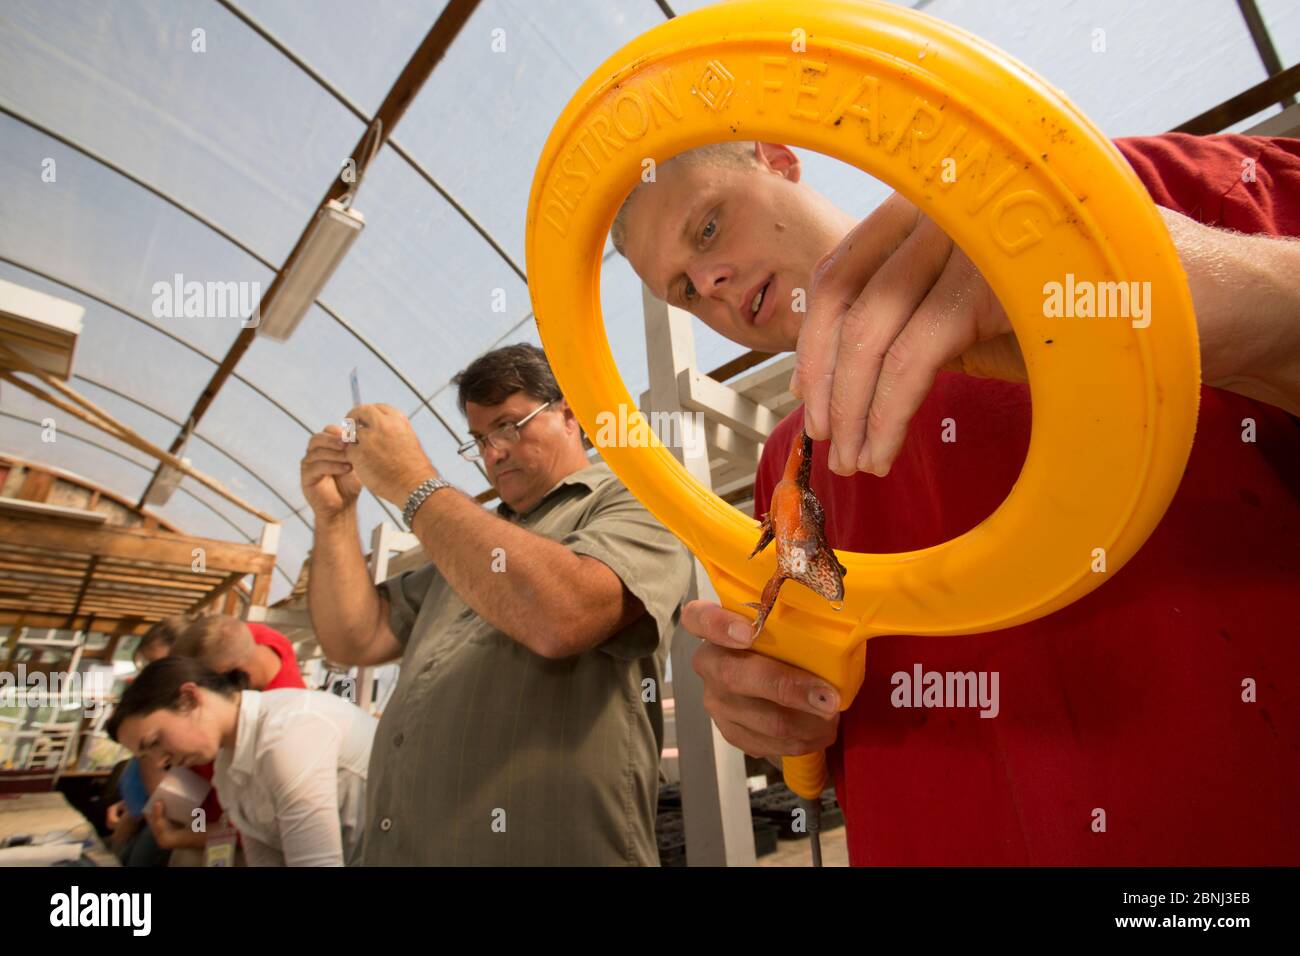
(765, 536)
(768, 600)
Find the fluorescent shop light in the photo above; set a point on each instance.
(332, 233)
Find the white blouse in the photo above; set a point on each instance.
(295, 785)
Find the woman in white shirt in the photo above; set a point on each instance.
(290, 765)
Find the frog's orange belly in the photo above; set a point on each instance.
(787, 511)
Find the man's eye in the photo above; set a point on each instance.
(709, 229)
(690, 290)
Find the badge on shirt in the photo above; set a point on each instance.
(220, 847)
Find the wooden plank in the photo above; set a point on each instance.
(85, 586)
(771, 382)
(79, 481)
(29, 557)
(123, 627)
(698, 392)
(15, 586)
(53, 603)
(76, 404)
(741, 363)
(231, 580)
(18, 617)
(155, 546)
(1247, 103)
(15, 628)
(261, 590)
(53, 511)
(36, 485)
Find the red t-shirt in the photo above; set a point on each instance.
(1130, 699)
(287, 676)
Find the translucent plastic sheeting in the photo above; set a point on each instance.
(1283, 20)
(310, 374)
(419, 282)
(1151, 67)
(359, 49)
(113, 239)
(236, 131)
(143, 420)
(481, 121)
(207, 458)
(450, 465)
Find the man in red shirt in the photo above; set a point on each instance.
(226, 643)
(1153, 722)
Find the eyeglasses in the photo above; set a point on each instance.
(499, 438)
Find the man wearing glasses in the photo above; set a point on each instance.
(526, 727)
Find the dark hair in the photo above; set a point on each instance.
(494, 376)
(164, 632)
(158, 687)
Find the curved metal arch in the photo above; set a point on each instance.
(497, 341)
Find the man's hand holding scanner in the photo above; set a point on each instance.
(764, 707)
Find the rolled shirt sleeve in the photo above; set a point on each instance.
(406, 593)
(652, 564)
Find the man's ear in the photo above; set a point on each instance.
(570, 420)
(780, 159)
(571, 423)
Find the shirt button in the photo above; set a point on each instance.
(385, 824)
(398, 738)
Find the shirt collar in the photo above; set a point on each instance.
(589, 477)
(250, 709)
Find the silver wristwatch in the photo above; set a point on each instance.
(419, 496)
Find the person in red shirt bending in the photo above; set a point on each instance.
(1156, 721)
(226, 643)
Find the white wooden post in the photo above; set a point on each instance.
(715, 793)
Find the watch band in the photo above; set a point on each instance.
(419, 496)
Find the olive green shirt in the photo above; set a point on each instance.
(489, 754)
